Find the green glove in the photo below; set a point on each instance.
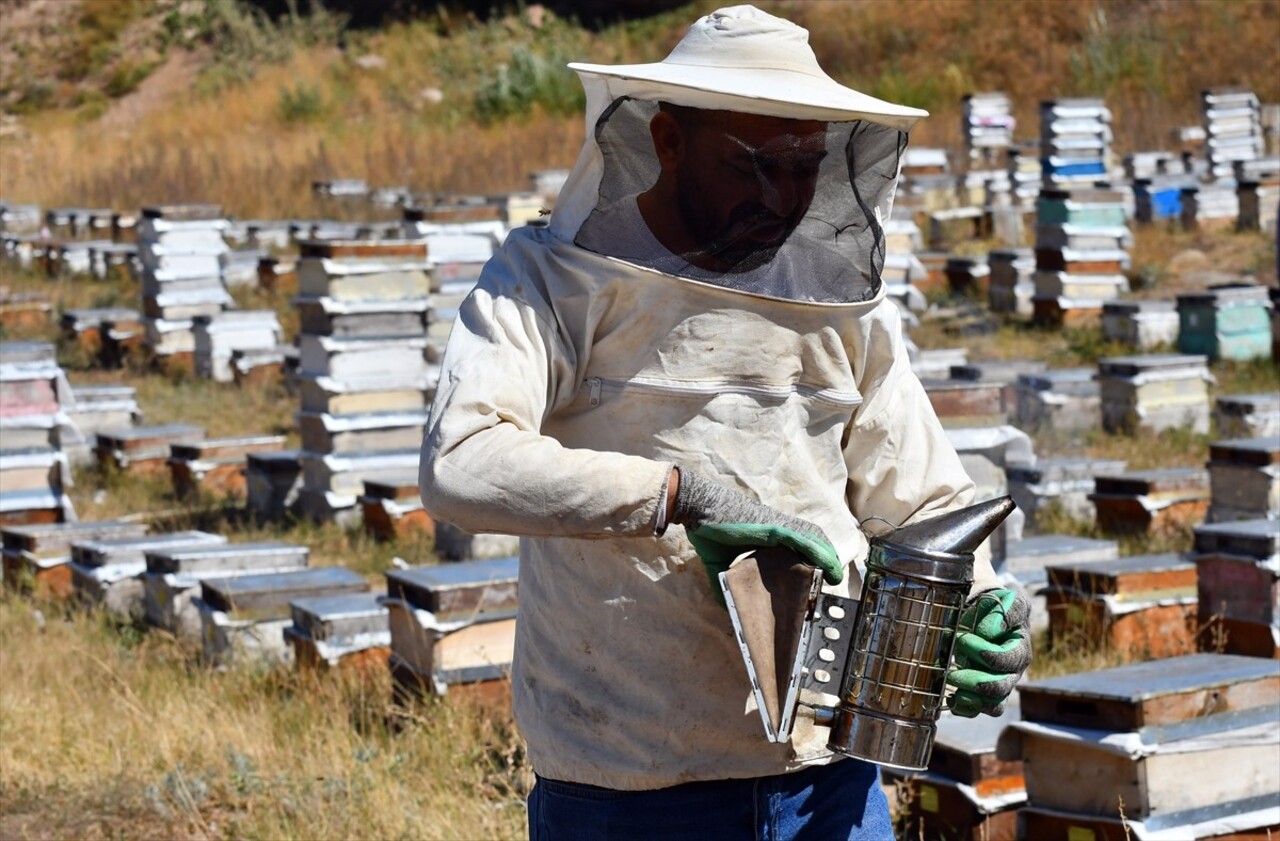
(993, 649)
(722, 523)
(717, 544)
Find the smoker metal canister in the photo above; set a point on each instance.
(918, 578)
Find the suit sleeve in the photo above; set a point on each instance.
(486, 467)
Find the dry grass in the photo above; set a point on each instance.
(256, 145)
(110, 734)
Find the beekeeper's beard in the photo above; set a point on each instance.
(746, 238)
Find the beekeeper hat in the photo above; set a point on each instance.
(742, 59)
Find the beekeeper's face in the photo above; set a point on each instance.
(741, 182)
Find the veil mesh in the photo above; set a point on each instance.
(830, 251)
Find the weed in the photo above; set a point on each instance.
(303, 103)
(527, 81)
(126, 76)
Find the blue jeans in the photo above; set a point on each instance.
(824, 803)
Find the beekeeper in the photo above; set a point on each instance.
(696, 356)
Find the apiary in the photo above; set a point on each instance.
(349, 631)
(1150, 500)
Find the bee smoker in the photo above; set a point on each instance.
(883, 659)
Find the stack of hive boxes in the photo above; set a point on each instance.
(1011, 282)
(1244, 479)
(461, 235)
(1142, 750)
(987, 123)
(34, 426)
(902, 268)
(1075, 141)
(1081, 242)
(1257, 189)
(179, 247)
(1238, 576)
(1231, 321)
(1025, 174)
(452, 624)
(1233, 123)
(1154, 391)
(365, 381)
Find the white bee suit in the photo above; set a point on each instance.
(572, 383)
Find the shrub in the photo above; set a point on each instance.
(301, 104)
(126, 76)
(528, 79)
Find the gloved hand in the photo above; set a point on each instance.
(723, 523)
(993, 649)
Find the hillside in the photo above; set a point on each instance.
(122, 102)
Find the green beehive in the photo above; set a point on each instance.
(1226, 322)
(1082, 208)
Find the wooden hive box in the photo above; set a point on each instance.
(143, 449)
(1064, 399)
(1238, 567)
(172, 581)
(1138, 606)
(1247, 415)
(272, 482)
(262, 368)
(245, 616)
(1147, 732)
(1049, 825)
(323, 394)
(1244, 479)
(349, 632)
(1142, 324)
(38, 554)
(964, 403)
(1061, 311)
(108, 572)
(1154, 391)
(1151, 500)
(1157, 698)
(1082, 261)
(455, 623)
(363, 433)
(393, 509)
(216, 465)
(24, 311)
(324, 316)
(1231, 321)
